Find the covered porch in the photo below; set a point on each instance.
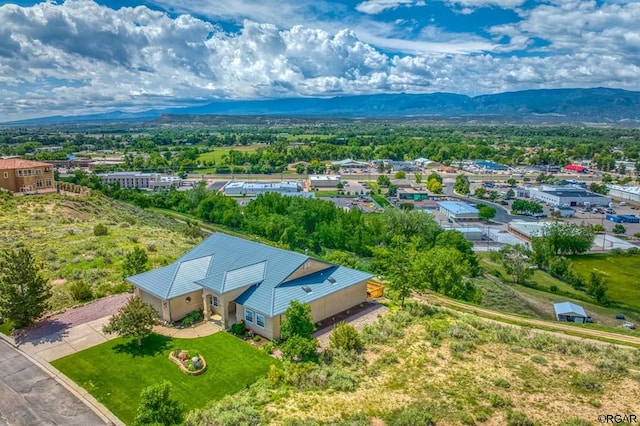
(219, 311)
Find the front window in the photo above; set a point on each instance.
(214, 301)
(39, 183)
(248, 315)
(260, 320)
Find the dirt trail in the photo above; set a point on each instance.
(549, 326)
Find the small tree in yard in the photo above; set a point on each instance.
(135, 262)
(135, 319)
(157, 408)
(298, 321)
(345, 336)
(24, 293)
(296, 330)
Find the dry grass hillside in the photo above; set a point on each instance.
(429, 366)
(60, 232)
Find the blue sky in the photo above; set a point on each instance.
(87, 56)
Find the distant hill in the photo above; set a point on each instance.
(597, 105)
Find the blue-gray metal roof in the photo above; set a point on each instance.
(274, 300)
(224, 263)
(457, 207)
(564, 308)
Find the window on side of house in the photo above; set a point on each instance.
(260, 320)
(214, 300)
(39, 183)
(248, 315)
(6, 175)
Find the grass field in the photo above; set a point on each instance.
(59, 232)
(116, 372)
(537, 299)
(215, 155)
(621, 273)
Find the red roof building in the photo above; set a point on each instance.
(25, 176)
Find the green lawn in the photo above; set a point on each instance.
(382, 202)
(621, 273)
(115, 372)
(215, 154)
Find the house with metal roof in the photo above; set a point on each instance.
(232, 279)
(570, 312)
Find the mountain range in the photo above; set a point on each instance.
(596, 105)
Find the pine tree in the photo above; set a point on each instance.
(24, 293)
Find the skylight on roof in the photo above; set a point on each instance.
(306, 289)
(331, 280)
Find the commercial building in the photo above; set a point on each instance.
(491, 165)
(350, 163)
(414, 194)
(256, 188)
(626, 193)
(324, 181)
(25, 176)
(139, 180)
(458, 211)
(527, 230)
(562, 196)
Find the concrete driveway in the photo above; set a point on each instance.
(72, 331)
(31, 396)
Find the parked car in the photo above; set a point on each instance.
(629, 325)
(620, 316)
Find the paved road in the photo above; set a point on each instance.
(29, 396)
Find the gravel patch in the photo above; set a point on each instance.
(359, 320)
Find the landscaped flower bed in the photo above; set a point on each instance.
(189, 362)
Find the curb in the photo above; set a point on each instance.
(100, 410)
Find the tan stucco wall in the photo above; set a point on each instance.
(314, 266)
(13, 182)
(338, 302)
(179, 306)
(223, 304)
(327, 306)
(153, 300)
(270, 324)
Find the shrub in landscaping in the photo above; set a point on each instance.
(300, 348)
(499, 401)
(518, 418)
(81, 291)
(100, 230)
(191, 318)
(502, 383)
(239, 329)
(345, 336)
(587, 382)
(231, 411)
(414, 414)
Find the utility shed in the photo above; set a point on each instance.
(570, 312)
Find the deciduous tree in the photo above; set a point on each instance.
(515, 259)
(135, 319)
